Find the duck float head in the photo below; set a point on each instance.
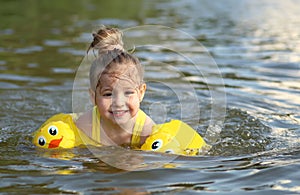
(55, 134)
(174, 137)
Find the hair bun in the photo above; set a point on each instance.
(107, 39)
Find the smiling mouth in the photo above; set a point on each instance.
(119, 113)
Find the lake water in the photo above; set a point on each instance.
(229, 69)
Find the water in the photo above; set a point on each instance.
(255, 47)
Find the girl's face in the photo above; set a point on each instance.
(118, 99)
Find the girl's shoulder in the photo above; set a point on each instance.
(147, 129)
(85, 122)
(149, 123)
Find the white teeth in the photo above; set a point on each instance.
(118, 112)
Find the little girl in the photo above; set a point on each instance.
(116, 90)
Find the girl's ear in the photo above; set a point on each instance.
(142, 90)
(92, 96)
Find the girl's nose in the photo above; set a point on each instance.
(119, 100)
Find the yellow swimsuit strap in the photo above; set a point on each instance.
(137, 130)
(96, 125)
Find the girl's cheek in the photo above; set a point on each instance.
(103, 102)
(133, 101)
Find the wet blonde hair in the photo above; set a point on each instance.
(112, 58)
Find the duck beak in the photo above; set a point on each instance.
(55, 143)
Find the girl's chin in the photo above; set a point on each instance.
(121, 118)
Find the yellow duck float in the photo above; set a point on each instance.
(60, 131)
(174, 137)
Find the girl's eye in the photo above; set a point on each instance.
(107, 94)
(129, 92)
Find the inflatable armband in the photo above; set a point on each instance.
(60, 131)
(174, 137)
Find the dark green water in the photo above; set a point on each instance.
(243, 95)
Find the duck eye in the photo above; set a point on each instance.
(170, 151)
(53, 130)
(157, 144)
(41, 141)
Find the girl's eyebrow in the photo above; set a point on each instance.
(131, 87)
(105, 89)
